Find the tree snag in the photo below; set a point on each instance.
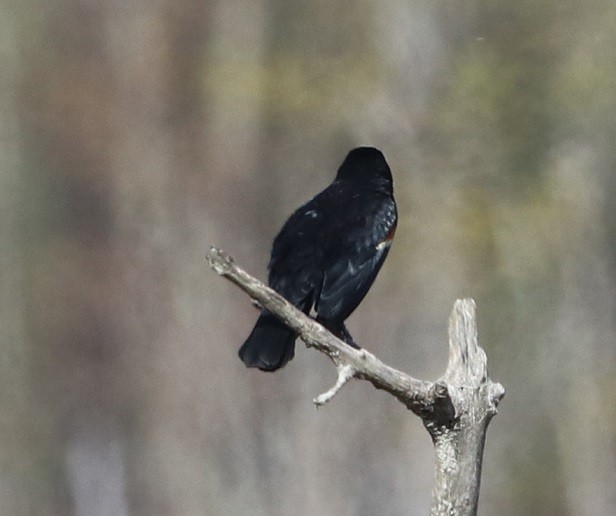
(456, 409)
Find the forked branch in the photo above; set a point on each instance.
(456, 409)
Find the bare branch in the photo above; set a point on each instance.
(456, 409)
(417, 395)
(345, 373)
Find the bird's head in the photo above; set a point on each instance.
(365, 164)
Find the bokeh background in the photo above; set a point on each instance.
(136, 134)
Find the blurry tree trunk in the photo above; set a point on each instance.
(585, 315)
(17, 403)
(456, 409)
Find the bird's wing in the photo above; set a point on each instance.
(296, 255)
(354, 262)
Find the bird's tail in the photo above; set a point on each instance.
(270, 345)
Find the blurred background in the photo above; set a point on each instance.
(134, 135)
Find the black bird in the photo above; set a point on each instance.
(327, 255)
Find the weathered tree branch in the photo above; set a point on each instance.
(456, 409)
(417, 395)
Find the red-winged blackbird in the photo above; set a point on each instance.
(327, 255)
